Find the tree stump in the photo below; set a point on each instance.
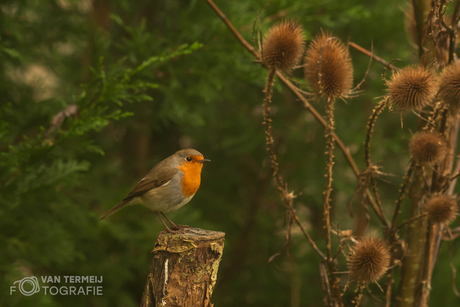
(184, 268)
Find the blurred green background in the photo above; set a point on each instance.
(152, 77)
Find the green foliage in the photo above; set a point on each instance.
(142, 88)
(48, 146)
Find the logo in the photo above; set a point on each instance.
(30, 283)
(55, 285)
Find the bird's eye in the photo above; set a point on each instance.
(188, 159)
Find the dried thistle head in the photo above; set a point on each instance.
(369, 259)
(283, 45)
(427, 147)
(449, 87)
(441, 209)
(412, 88)
(328, 67)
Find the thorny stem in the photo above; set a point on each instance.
(431, 124)
(390, 281)
(443, 126)
(359, 295)
(327, 196)
(431, 234)
(415, 243)
(434, 232)
(285, 195)
(402, 192)
(456, 170)
(268, 129)
(330, 163)
(393, 239)
(325, 284)
(370, 128)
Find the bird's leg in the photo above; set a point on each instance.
(174, 226)
(167, 228)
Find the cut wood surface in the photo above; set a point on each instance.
(184, 268)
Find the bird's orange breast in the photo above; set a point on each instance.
(192, 177)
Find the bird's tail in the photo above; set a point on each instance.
(121, 205)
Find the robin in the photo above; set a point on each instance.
(168, 186)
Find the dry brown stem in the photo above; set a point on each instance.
(327, 198)
(370, 54)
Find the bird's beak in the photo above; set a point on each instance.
(204, 160)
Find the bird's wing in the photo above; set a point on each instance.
(154, 179)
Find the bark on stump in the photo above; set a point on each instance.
(184, 268)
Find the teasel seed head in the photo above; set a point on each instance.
(369, 260)
(412, 88)
(427, 147)
(283, 45)
(441, 209)
(449, 87)
(331, 56)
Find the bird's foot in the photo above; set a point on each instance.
(175, 232)
(176, 229)
(179, 227)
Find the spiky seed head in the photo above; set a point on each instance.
(449, 87)
(427, 147)
(283, 45)
(369, 259)
(412, 88)
(441, 209)
(331, 56)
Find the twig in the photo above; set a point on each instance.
(296, 218)
(402, 192)
(325, 284)
(59, 118)
(412, 219)
(234, 30)
(367, 71)
(370, 54)
(390, 280)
